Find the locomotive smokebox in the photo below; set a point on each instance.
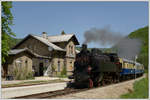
(84, 46)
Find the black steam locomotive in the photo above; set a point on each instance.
(94, 68)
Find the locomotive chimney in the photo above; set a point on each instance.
(84, 46)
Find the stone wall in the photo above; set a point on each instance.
(64, 60)
(70, 65)
(70, 49)
(36, 46)
(70, 56)
(21, 63)
(58, 64)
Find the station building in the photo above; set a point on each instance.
(43, 54)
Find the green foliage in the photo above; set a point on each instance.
(61, 76)
(5, 48)
(140, 90)
(64, 71)
(53, 68)
(142, 34)
(13, 41)
(22, 73)
(44, 68)
(30, 75)
(7, 20)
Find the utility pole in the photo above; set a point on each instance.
(135, 66)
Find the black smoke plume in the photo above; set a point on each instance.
(126, 47)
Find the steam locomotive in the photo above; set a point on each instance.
(92, 69)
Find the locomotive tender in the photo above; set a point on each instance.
(92, 69)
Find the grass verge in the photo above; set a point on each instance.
(140, 90)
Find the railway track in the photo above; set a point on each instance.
(52, 94)
(28, 84)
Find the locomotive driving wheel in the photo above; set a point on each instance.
(97, 79)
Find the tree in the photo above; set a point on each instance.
(142, 34)
(63, 33)
(7, 21)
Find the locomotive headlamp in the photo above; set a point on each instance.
(89, 68)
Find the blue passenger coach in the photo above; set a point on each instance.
(131, 67)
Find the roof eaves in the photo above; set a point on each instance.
(17, 51)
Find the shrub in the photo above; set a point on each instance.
(64, 71)
(22, 73)
(53, 68)
(30, 75)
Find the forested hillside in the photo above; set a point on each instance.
(12, 41)
(142, 34)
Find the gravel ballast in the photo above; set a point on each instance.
(107, 92)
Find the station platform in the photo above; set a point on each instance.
(28, 90)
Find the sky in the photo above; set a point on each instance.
(77, 17)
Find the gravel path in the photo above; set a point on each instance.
(111, 92)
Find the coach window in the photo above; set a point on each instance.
(124, 65)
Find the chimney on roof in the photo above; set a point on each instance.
(63, 33)
(44, 35)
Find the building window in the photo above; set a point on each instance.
(29, 47)
(58, 66)
(19, 63)
(26, 63)
(70, 62)
(71, 49)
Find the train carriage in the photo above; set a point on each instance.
(127, 66)
(130, 67)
